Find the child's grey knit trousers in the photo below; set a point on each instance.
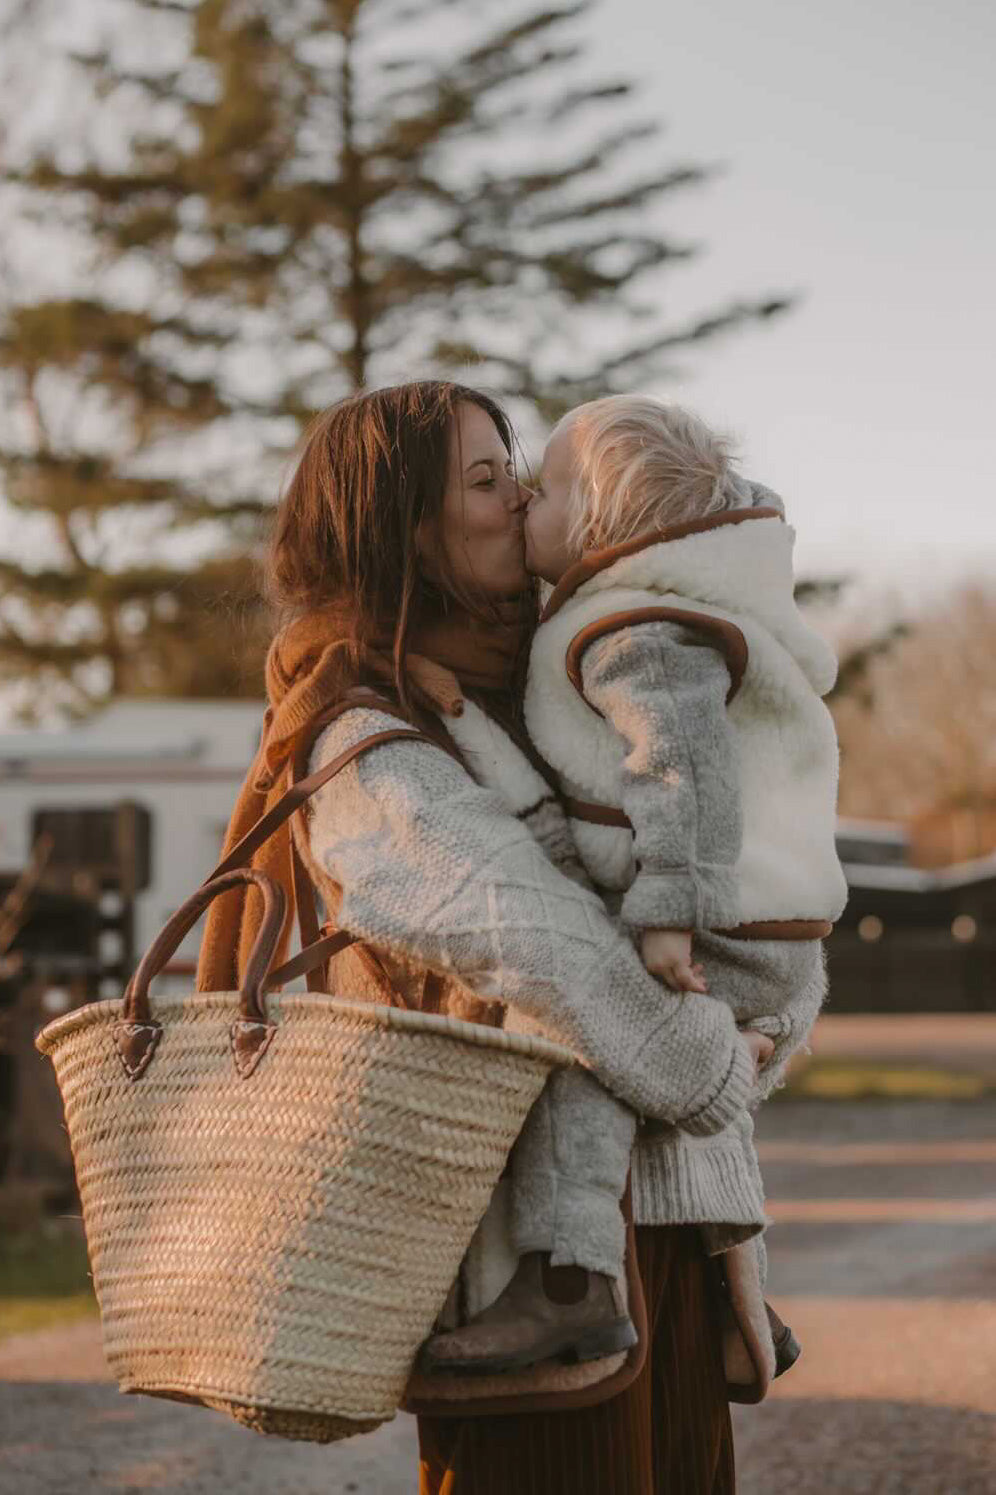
(570, 1162)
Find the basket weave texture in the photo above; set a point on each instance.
(278, 1245)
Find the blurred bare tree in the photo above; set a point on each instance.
(268, 204)
(918, 737)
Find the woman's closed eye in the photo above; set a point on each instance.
(486, 478)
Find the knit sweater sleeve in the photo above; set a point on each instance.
(437, 870)
(663, 689)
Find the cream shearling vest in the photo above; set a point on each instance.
(495, 761)
(737, 571)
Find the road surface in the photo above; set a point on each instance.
(883, 1259)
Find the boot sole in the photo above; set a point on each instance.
(787, 1351)
(590, 1344)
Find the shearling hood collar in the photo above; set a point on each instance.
(738, 563)
(600, 560)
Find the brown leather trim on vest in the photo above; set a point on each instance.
(757, 929)
(558, 1401)
(726, 637)
(587, 810)
(600, 560)
(779, 929)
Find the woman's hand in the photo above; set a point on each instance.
(667, 954)
(760, 1045)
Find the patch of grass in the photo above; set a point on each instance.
(845, 1079)
(44, 1279)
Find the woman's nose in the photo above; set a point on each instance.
(518, 497)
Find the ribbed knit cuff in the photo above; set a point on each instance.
(700, 1181)
(700, 897)
(655, 900)
(728, 1100)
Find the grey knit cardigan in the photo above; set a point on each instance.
(473, 878)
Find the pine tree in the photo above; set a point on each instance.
(280, 202)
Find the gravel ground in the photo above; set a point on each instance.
(895, 1393)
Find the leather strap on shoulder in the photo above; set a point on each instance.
(363, 696)
(317, 947)
(722, 634)
(301, 790)
(316, 950)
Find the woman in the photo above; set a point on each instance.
(398, 556)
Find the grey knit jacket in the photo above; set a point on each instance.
(662, 689)
(438, 872)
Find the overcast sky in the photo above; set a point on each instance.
(860, 138)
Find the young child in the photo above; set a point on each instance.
(676, 690)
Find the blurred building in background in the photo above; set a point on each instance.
(105, 829)
(137, 800)
(912, 938)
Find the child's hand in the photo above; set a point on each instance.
(667, 953)
(761, 1047)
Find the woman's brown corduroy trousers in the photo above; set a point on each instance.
(668, 1434)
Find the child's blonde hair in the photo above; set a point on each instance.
(639, 465)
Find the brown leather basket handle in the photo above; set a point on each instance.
(137, 1034)
(136, 1000)
(314, 952)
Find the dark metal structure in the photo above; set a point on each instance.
(912, 939)
(66, 930)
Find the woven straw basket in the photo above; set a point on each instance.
(277, 1196)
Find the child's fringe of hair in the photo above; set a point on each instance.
(641, 465)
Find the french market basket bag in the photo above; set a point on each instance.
(278, 1190)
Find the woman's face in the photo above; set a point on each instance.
(480, 525)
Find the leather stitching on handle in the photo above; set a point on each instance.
(249, 1042)
(135, 1044)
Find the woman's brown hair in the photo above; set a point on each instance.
(371, 469)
